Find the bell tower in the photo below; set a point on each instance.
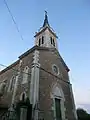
(46, 37)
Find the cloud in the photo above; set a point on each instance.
(82, 97)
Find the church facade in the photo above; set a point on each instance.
(39, 81)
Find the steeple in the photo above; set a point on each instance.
(46, 37)
(46, 20)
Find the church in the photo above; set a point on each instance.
(37, 85)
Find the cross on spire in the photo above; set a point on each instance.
(45, 12)
(46, 20)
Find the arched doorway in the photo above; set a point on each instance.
(58, 102)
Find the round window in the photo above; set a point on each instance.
(55, 69)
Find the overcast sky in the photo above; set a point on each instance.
(71, 21)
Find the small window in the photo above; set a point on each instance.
(55, 69)
(39, 41)
(2, 88)
(42, 39)
(23, 96)
(25, 75)
(51, 39)
(53, 42)
(11, 84)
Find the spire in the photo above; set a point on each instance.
(46, 20)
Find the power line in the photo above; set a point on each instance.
(16, 70)
(13, 19)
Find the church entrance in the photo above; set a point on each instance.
(58, 109)
(24, 110)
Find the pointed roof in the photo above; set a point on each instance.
(46, 20)
(45, 26)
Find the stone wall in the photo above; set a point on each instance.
(47, 80)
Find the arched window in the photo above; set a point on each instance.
(42, 39)
(25, 75)
(2, 88)
(51, 39)
(11, 84)
(53, 43)
(39, 41)
(23, 110)
(23, 96)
